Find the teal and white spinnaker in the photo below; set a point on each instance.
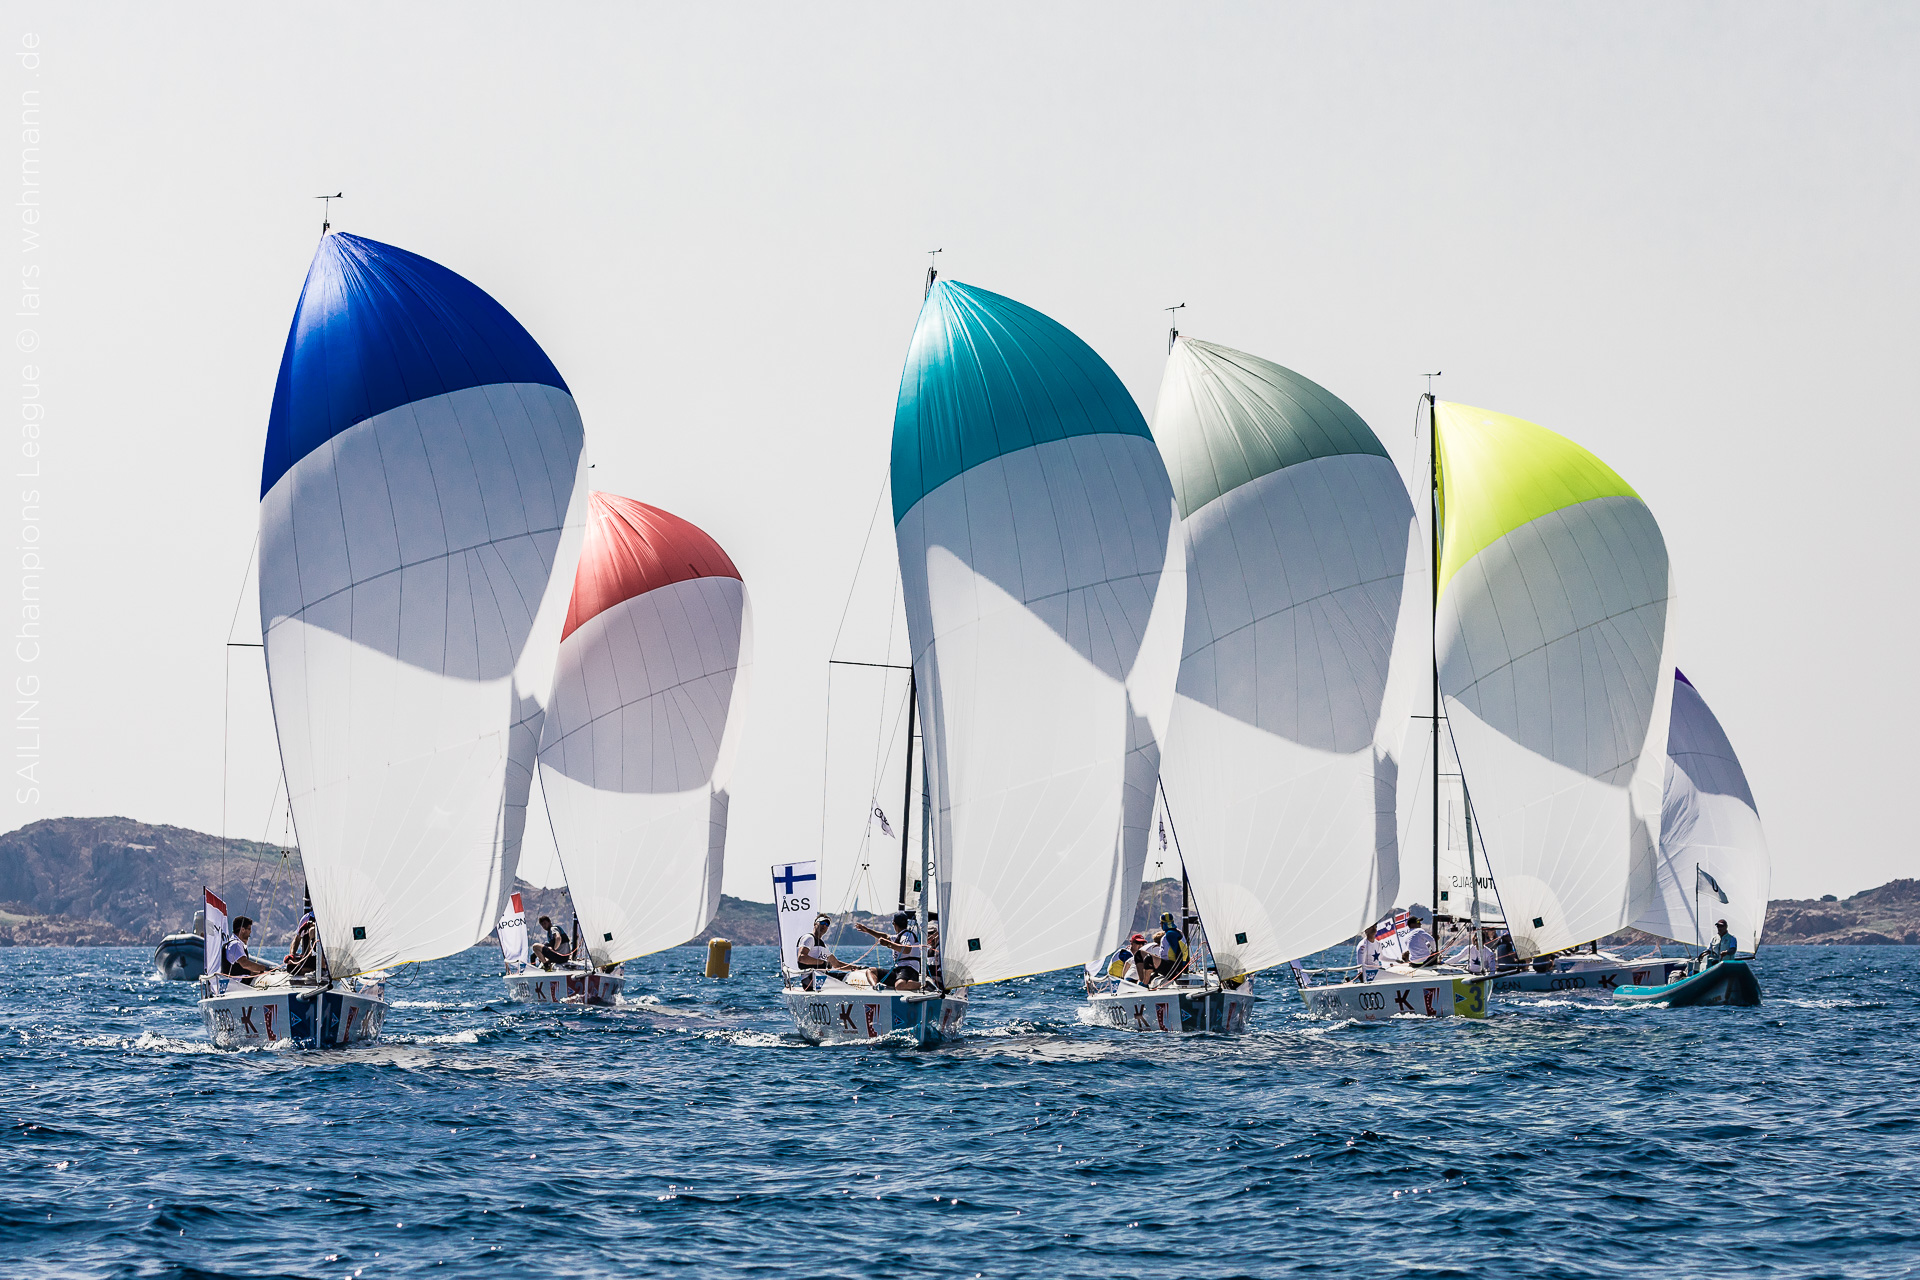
(1710, 837)
(1280, 764)
(1033, 518)
(1551, 634)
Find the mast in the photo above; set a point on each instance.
(906, 798)
(1433, 637)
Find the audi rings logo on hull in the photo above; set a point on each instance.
(1372, 1000)
(1569, 983)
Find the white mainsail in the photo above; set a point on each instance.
(1280, 761)
(422, 499)
(1713, 854)
(1033, 519)
(643, 727)
(1555, 601)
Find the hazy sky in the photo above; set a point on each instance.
(1683, 235)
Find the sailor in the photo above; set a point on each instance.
(235, 958)
(1174, 940)
(905, 945)
(933, 957)
(301, 956)
(1504, 956)
(555, 950)
(1479, 957)
(1115, 966)
(1420, 948)
(1366, 956)
(1724, 947)
(811, 951)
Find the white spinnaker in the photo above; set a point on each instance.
(412, 570)
(1552, 635)
(1284, 741)
(1708, 823)
(640, 738)
(1028, 736)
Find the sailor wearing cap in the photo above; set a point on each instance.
(811, 951)
(1723, 947)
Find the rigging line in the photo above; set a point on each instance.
(865, 543)
(226, 699)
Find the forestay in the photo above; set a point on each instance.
(1281, 759)
(1033, 518)
(422, 500)
(1708, 823)
(642, 728)
(1551, 635)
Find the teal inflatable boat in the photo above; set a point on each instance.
(1729, 982)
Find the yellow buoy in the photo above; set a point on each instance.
(719, 958)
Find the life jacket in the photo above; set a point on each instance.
(1117, 963)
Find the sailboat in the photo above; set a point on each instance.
(1713, 861)
(1042, 586)
(422, 507)
(638, 742)
(1281, 758)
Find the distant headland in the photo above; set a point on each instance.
(111, 882)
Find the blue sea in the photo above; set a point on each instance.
(692, 1133)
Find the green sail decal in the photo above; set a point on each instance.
(1499, 472)
(1225, 418)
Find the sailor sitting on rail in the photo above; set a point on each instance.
(555, 950)
(235, 959)
(813, 957)
(1366, 956)
(1420, 949)
(1117, 966)
(933, 957)
(905, 945)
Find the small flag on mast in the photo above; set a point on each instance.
(1163, 835)
(886, 828)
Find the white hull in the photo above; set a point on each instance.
(1591, 975)
(1173, 1009)
(839, 1014)
(1442, 995)
(242, 1017)
(565, 986)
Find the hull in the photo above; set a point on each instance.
(1591, 975)
(180, 957)
(838, 1014)
(242, 1017)
(1444, 995)
(1730, 982)
(1173, 1011)
(537, 987)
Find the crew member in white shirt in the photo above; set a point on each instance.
(811, 952)
(1366, 956)
(1420, 948)
(905, 945)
